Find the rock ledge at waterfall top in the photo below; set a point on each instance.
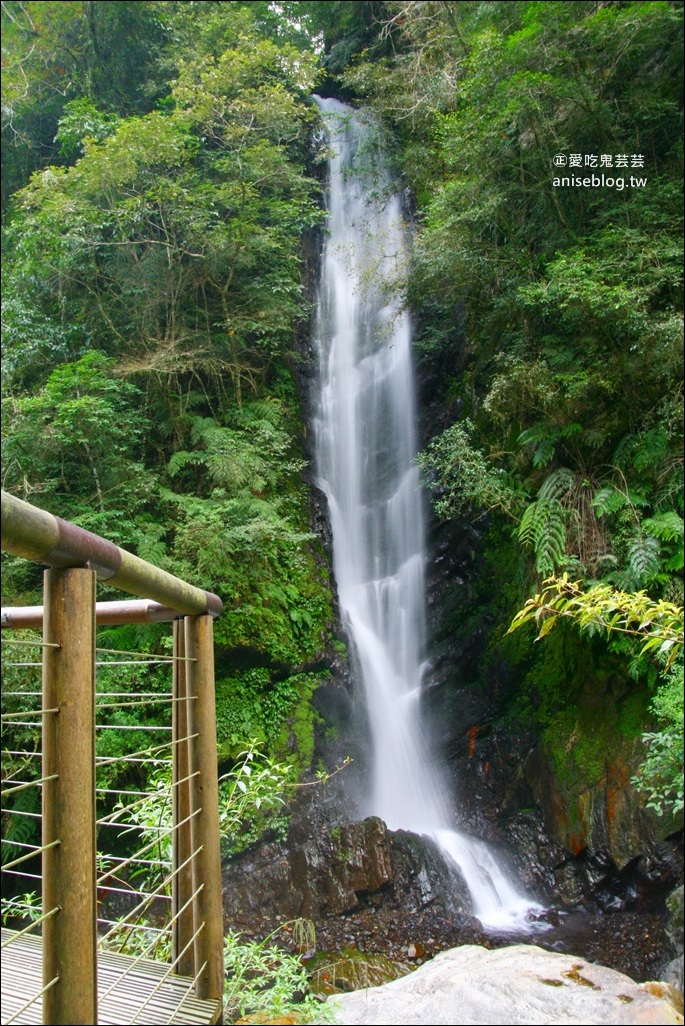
(521, 984)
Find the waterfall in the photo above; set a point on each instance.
(365, 432)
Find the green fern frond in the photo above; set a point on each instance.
(551, 544)
(666, 526)
(151, 547)
(232, 470)
(594, 438)
(269, 410)
(650, 449)
(609, 500)
(526, 532)
(559, 484)
(542, 439)
(544, 453)
(182, 459)
(533, 435)
(204, 430)
(644, 563)
(543, 528)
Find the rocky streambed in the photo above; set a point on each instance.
(371, 891)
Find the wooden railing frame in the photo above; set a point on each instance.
(39, 536)
(69, 617)
(107, 614)
(70, 937)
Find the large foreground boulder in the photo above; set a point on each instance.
(518, 984)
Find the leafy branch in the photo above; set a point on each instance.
(657, 624)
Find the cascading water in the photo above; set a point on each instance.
(365, 445)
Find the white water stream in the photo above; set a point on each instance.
(365, 446)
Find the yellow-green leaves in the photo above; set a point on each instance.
(656, 625)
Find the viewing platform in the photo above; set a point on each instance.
(111, 861)
(132, 990)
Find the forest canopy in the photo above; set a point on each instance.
(162, 199)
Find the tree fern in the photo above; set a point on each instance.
(543, 438)
(594, 438)
(527, 527)
(551, 544)
(151, 547)
(609, 500)
(269, 410)
(649, 449)
(182, 459)
(668, 528)
(538, 437)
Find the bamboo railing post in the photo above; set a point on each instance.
(209, 942)
(70, 936)
(182, 886)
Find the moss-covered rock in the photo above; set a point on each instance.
(336, 972)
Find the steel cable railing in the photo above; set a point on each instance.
(21, 824)
(153, 872)
(140, 820)
(137, 860)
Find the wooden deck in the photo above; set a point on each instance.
(144, 994)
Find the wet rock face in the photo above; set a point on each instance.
(595, 847)
(334, 870)
(572, 840)
(674, 923)
(607, 816)
(573, 836)
(391, 892)
(329, 872)
(360, 883)
(673, 973)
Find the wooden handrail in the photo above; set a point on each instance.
(39, 536)
(107, 614)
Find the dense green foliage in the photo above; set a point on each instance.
(638, 627)
(157, 185)
(543, 144)
(567, 300)
(153, 287)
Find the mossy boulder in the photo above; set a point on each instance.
(336, 972)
